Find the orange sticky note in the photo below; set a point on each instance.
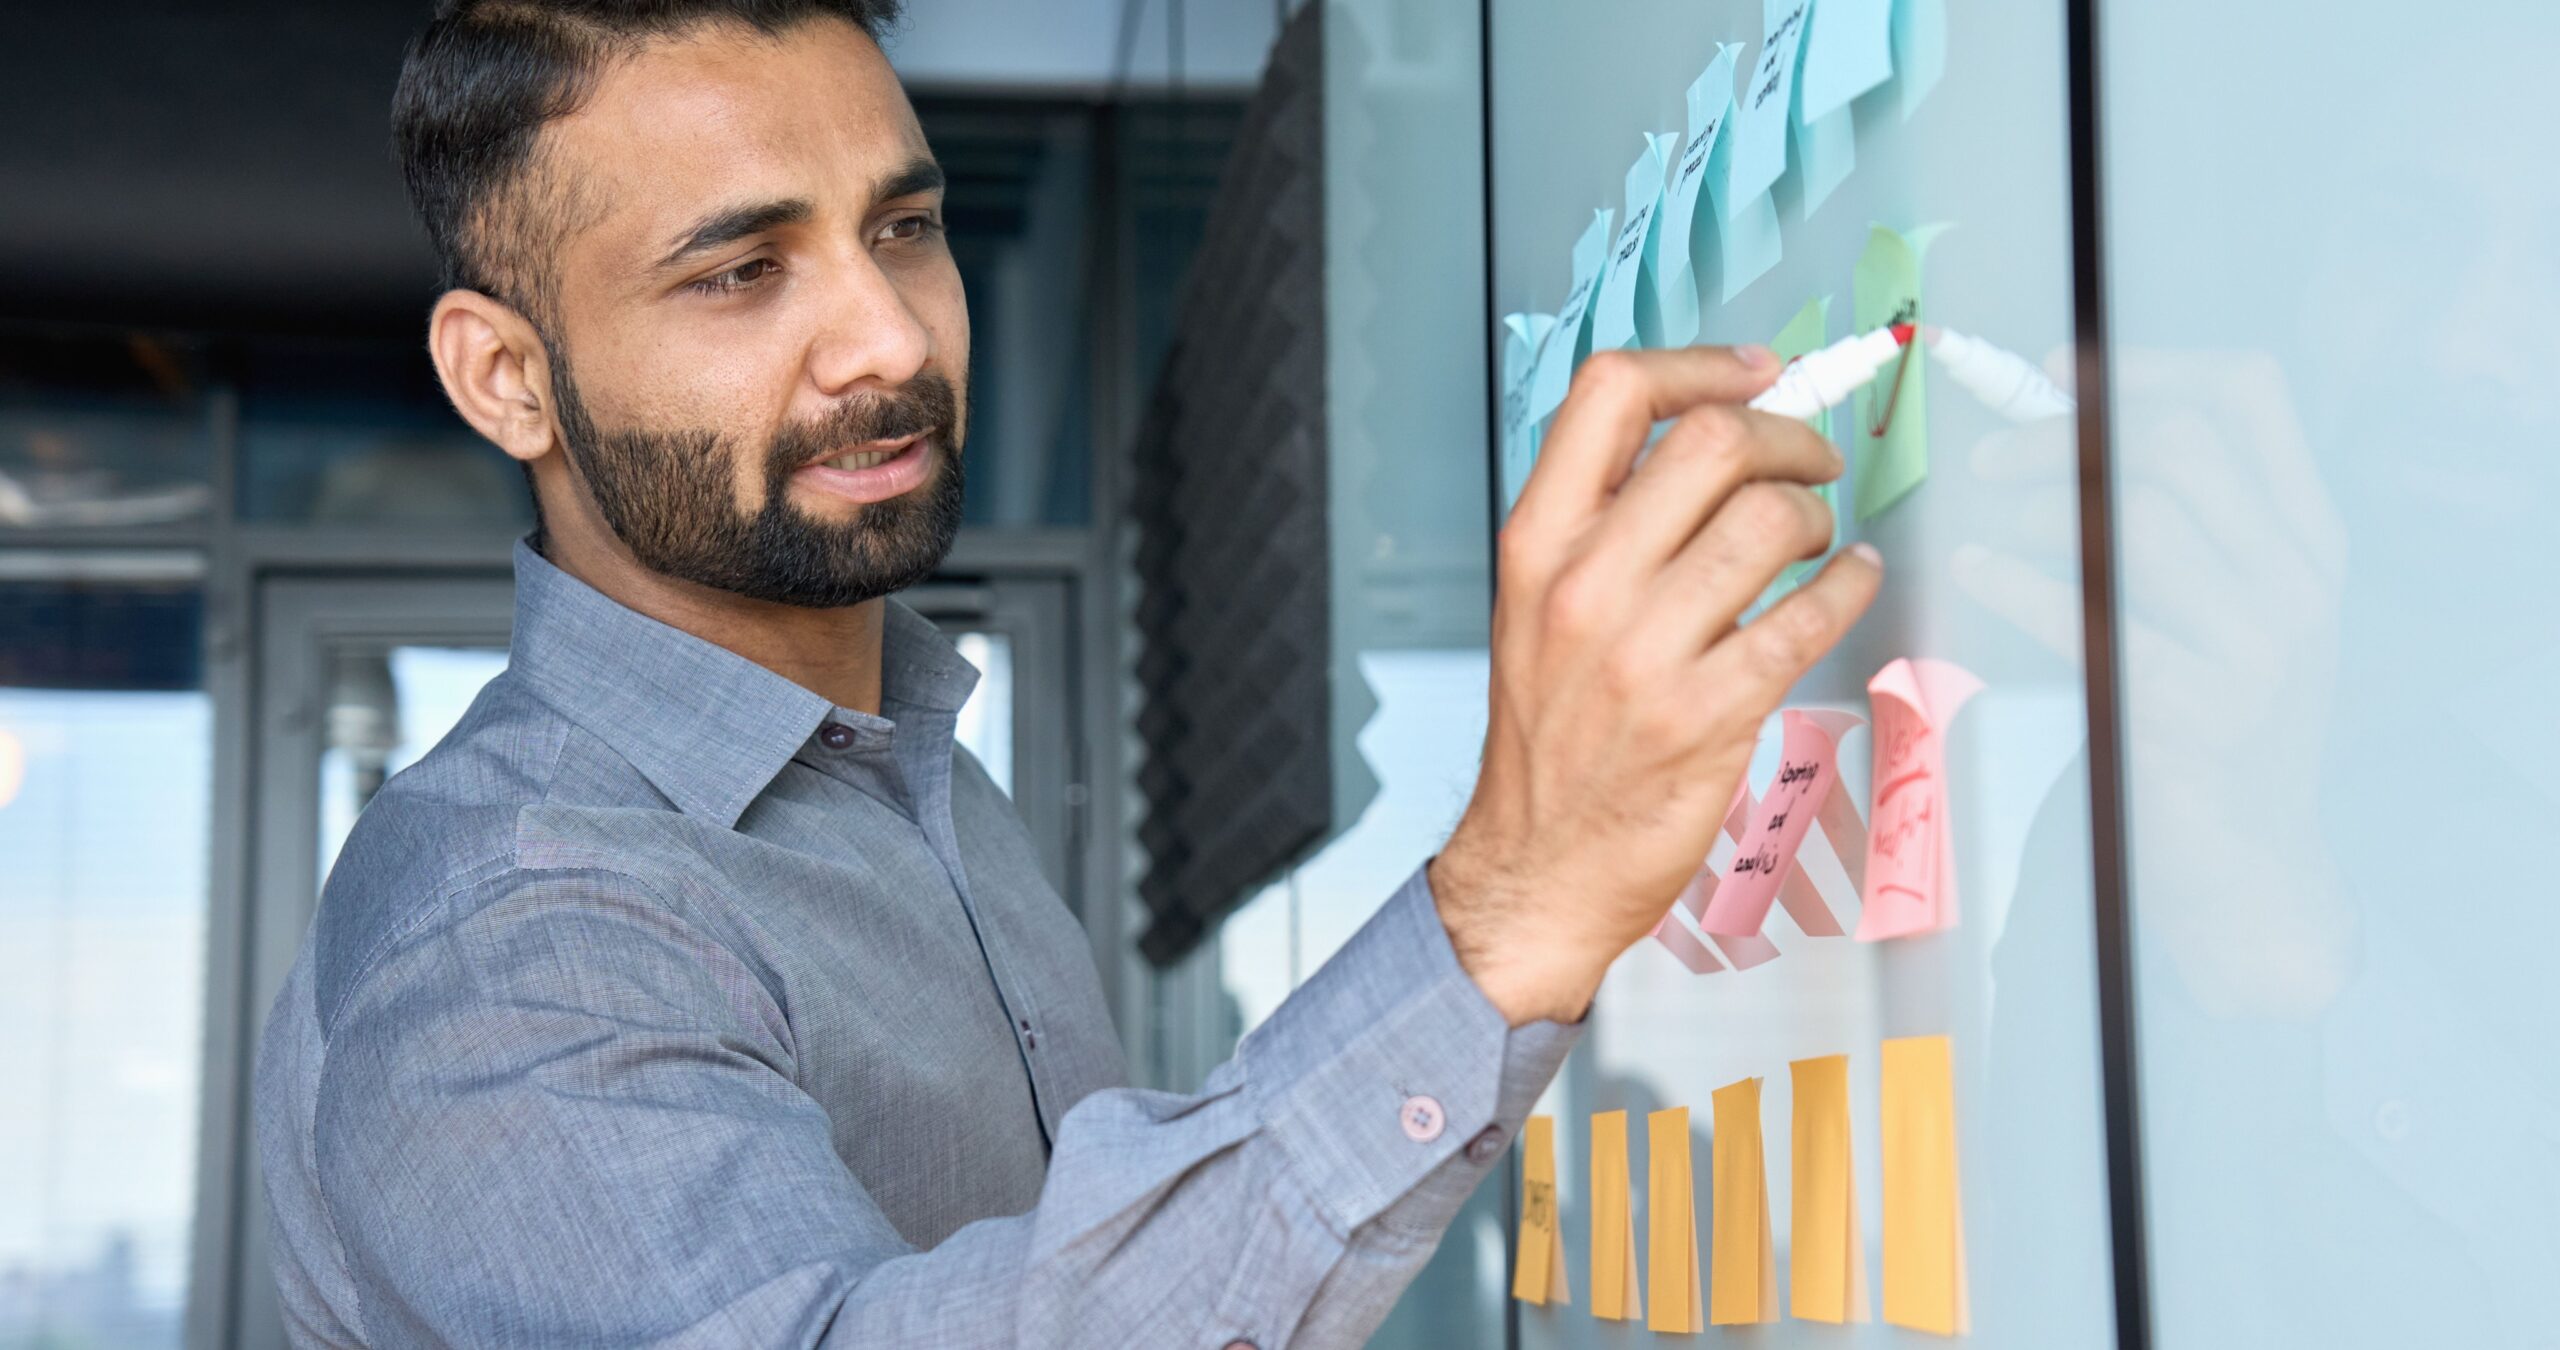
(1924, 1284)
(1826, 1255)
(1673, 1239)
(1910, 872)
(1614, 1293)
(1540, 1276)
(1745, 1286)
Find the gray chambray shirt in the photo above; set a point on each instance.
(665, 1003)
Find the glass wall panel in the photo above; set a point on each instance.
(105, 798)
(102, 430)
(2335, 431)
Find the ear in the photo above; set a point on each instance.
(495, 370)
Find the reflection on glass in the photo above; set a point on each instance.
(105, 786)
(348, 432)
(101, 432)
(2334, 464)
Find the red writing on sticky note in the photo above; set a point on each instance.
(1764, 868)
(1910, 884)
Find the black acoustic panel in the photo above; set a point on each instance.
(1230, 505)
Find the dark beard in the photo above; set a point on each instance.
(667, 496)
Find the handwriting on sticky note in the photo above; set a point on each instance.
(1710, 98)
(1924, 1273)
(1826, 1258)
(1614, 1291)
(1670, 1207)
(1540, 1275)
(1910, 866)
(1764, 868)
(1626, 313)
(1745, 1283)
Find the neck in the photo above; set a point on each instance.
(833, 653)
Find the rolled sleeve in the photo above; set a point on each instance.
(1377, 1075)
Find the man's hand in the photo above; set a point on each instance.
(1625, 698)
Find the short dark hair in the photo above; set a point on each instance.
(482, 79)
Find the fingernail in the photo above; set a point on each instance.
(1754, 355)
(1868, 551)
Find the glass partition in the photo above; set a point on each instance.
(2334, 430)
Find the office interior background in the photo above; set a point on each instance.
(251, 565)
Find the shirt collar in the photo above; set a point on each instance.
(708, 727)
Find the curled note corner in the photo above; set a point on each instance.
(1909, 882)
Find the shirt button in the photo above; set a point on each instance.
(1486, 1146)
(1421, 1118)
(836, 734)
(1242, 1345)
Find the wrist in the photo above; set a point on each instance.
(1526, 976)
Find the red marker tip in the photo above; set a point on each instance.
(1901, 335)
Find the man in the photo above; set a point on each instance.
(699, 990)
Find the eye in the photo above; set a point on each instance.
(737, 278)
(911, 229)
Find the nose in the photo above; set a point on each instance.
(866, 332)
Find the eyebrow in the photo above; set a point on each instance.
(731, 224)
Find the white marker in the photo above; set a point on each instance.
(1825, 379)
(2004, 380)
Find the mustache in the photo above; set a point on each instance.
(924, 406)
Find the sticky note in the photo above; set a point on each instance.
(1807, 331)
(1567, 342)
(1747, 243)
(1919, 48)
(1614, 1294)
(1924, 1280)
(1540, 1276)
(1826, 1254)
(1848, 50)
(1521, 334)
(1681, 234)
(1672, 1234)
(1893, 410)
(1745, 1283)
(1741, 951)
(1624, 315)
(1685, 947)
(1764, 861)
(1761, 113)
(1910, 875)
(1826, 150)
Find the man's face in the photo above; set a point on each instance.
(768, 338)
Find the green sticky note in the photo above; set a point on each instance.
(1893, 411)
(1807, 331)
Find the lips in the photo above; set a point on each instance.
(874, 472)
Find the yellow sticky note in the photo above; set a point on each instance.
(1673, 1239)
(1540, 1276)
(1745, 1287)
(1827, 1256)
(1614, 1293)
(1924, 1284)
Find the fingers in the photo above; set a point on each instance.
(1762, 660)
(1616, 398)
(1761, 528)
(1709, 454)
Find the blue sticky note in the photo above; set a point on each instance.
(1919, 48)
(1675, 268)
(1761, 115)
(1747, 237)
(1624, 314)
(1826, 150)
(1568, 341)
(1848, 50)
(1521, 336)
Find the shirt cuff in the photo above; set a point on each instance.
(1388, 1078)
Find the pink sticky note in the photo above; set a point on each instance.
(1685, 947)
(1746, 952)
(1764, 862)
(1910, 870)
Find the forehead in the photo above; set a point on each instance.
(726, 113)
